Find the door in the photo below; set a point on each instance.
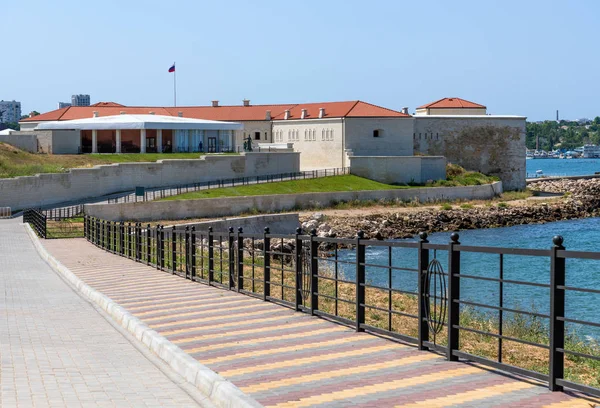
(212, 145)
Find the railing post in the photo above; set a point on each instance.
(97, 224)
(557, 312)
(138, 241)
(423, 290)
(129, 241)
(211, 256)
(193, 253)
(240, 259)
(314, 272)
(122, 238)
(360, 281)
(267, 264)
(453, 297)
(173, 250)
(148, 247)
(85, 226)
(298, 280)
(187, 251)
(231, 263)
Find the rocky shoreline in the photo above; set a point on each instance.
(581, 200)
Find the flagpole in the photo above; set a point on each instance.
(175, 85)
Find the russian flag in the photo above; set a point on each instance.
(172, 69)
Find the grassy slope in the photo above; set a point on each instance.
(457, 176)
(15, 162)
(324, 184)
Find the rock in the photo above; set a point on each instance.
(319, 217)
(310, 225)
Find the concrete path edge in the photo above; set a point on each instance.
(219, 391)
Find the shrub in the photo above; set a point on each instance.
(446, 207)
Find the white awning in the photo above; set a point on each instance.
(126, 121)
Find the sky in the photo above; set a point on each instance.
(524, 57)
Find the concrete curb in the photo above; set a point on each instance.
(219, 391)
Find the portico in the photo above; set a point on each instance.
(149, 134)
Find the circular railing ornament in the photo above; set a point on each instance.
(436, 298)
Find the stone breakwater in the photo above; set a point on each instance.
(581, 200)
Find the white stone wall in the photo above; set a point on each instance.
(319, 141)
(79, 184)
(395, 136)
(250, 128)
(66, 141)
(277, 223)
(399, 169)
(219, 207)
(493, 145)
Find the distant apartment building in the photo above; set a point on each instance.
(10, 111)
(80, 100)
(64, 105)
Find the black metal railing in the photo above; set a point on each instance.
(37, 219)
(162, 192)
(395, 288)
(61, 213)
(66, 222)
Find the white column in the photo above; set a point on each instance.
(142, 140)
(231, 146)
(94, 141)
(118, 141)
(159, 140)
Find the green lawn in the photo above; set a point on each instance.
(318, 185)
(15, 162)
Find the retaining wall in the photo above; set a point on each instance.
(26, 142)
(219, 207)
(399, 169)
(79, 184)
(277, 223)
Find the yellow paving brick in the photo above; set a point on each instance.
(468, 396)
(221, 345)
(279, 350)
(229, 324)
(270, 385)
(157, 326)
(240, 332)
(307, 360)
(382, 387)
(162, 309)
(189, 303)
(575, 403)
(264, 307)
(175, 298)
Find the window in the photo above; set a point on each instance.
(376, 133)
(256, 135)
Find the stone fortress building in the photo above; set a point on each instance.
(332, 134)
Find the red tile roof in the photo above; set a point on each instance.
(451, 103)
(225, 113)
(340, 110)
(105, 104)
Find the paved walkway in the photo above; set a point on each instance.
(57, 350)
(287, 359)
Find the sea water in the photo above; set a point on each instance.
(579, 235)
(563, 167)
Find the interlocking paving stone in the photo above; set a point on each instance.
(56, 350)
(287, 359)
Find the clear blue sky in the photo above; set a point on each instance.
(517, 57)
